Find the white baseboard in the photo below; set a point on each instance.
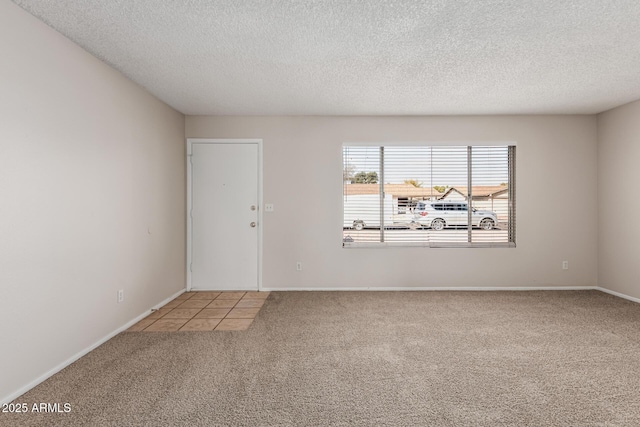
(12, 396)
(441, 288)
(618, 294)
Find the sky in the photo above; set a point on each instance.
(436, 165)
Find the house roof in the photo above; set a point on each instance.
(408, 190)
(478, 191)
(397, 190)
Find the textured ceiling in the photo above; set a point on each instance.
(357, 57)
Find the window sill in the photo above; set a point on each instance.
(381, 245)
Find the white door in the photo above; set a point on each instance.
(224, 197)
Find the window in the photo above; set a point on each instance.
(420, 195)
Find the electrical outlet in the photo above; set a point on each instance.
(120, 296)
(565, 265)
(268, 207)
(299, 266)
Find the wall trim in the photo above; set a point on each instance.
(618, 294)
(440, 288)
(12, 396)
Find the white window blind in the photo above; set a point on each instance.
(419, 195)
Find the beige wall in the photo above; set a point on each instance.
(618, 178)
(92, 197)
(556, 207)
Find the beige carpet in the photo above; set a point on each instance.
(370, 359)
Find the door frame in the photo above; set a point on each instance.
(190, 142)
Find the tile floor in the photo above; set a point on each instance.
(205, 311)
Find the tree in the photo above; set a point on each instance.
(413, 182)
(365, 178)
(347, 172)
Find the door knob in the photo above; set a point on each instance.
(253, 224)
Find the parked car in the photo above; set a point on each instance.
(441, 214)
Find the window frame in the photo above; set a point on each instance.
(511, 201)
